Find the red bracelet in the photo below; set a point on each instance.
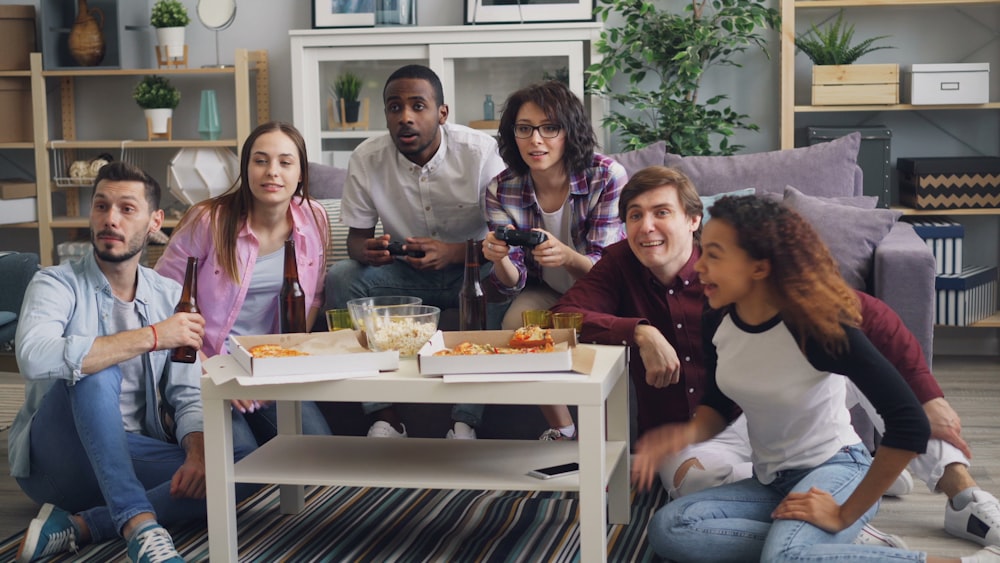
(155, 339)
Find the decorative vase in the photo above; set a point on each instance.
(158, 119)
(351, 110)
(172, 38)
(209, 127)
(488, 113)
(86, 41)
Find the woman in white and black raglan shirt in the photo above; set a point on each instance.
(783, 324)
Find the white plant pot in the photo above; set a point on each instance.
(158, 118)
(172, 38)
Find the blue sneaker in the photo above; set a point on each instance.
(51, 532)
(152, 544)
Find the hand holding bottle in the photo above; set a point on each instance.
(180, 330)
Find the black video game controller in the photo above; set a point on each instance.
(514, 237)
(395, 248)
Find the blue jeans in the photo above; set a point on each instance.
(83, 461)
(253, 429)
(733, 522)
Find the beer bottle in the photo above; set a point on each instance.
(471, 298)
(292, 302)
(187, 304)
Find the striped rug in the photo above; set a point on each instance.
(376, 525)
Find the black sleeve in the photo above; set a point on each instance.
(714, 397)
(906, 425)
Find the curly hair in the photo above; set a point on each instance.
(815, 299)
(561, 106)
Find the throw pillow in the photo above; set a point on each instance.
(851, 233)
(708, 200)
(636, 160)
(326, 182)
(7, 317)
(827, 169)
(338, 231)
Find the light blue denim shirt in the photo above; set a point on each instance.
(66, 307)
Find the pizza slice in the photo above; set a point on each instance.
(532, 336)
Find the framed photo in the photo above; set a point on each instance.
(343, 13)
(395, 12)
(523, 11)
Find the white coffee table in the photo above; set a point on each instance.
(293, 460)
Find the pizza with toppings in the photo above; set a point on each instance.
(526, 340)
(274, 351)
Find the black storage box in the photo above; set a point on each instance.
(971, 182)
(873, 157)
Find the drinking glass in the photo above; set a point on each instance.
(568, 320)
(540, 317)
(338, 319)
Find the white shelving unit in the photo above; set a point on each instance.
(471, 61)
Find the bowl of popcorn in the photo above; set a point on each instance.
(403, 328)
(357, 308)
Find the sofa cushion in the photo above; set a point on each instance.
(7, 317)
(338, 231)
(851, 233)
(636, 160)
(828, 169)
(708, 200)
(326, 182)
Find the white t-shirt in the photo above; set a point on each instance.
(440, 200)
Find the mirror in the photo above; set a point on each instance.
(217, 15)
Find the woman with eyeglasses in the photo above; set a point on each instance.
(554, 183)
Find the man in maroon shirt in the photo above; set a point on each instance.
(644, 293)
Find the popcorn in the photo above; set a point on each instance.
(399, 333)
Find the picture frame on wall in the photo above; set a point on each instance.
(525, 11)
(395, 12)
(343, 13)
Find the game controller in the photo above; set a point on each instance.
(514, 237)
(395, 248)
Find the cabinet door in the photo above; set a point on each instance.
(470, 71)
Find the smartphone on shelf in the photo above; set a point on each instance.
(555, 471)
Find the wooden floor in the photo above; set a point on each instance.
(972, 385)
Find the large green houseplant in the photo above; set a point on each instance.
(663, 54)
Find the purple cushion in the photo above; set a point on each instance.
(827, 169)
(636, 160)
(326, 182)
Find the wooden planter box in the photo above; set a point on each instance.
(846, 85)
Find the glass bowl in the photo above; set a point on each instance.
(356, 308)
(403, 328)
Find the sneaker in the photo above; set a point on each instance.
(382, 429)
(461, 431)
(989, 555)
(979, 521)
(553, 434)
(152, 544)
(902, 486)
(51, 532)
(870, 535)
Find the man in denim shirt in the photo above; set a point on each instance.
(93, 343)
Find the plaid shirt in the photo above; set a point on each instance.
(593, 197)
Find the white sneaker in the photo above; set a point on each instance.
(989, 555)
(870, 535)
(461, 431)
(902, 486)
(382, 429)
(979, 521)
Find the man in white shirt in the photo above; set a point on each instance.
(425, 180)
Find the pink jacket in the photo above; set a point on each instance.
(219, 299)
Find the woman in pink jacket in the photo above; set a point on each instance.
(238, 238)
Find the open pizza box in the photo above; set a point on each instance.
(567, 357)
(329, 352)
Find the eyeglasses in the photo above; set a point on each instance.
(547, 131)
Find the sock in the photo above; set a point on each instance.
(142, 528)
(963, 498)
(568, 431)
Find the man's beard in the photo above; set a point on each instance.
(134, 248)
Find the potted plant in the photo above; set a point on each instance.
(663, 54)
(169, 18)
(347, 89)
(836, 80)
(158, 97)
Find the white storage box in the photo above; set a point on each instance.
(22, 210)
(968, 297)
(959, 83)
(944, 238)
(330, 352)
(559, 360)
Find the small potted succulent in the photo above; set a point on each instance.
(158, 97)
(170, 17)
(347, 88)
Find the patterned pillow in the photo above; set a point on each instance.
(338, 231)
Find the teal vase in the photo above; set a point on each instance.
(209, 127)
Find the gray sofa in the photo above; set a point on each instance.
(877, 253)
(16, 270)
